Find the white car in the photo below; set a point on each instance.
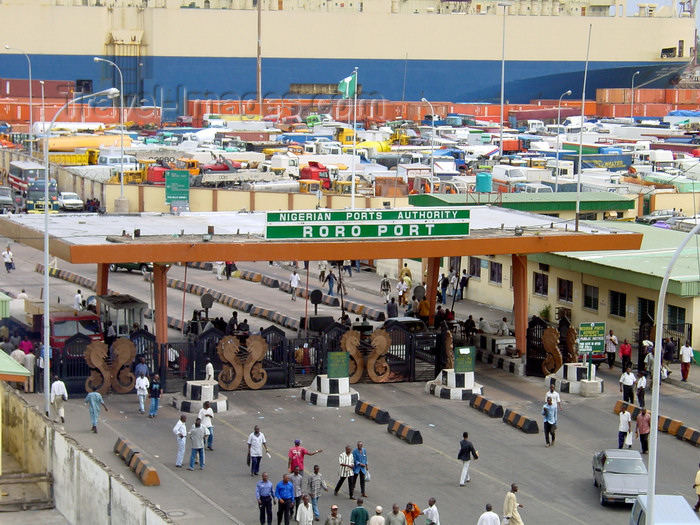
(70, 201)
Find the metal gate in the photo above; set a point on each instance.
(401, 356)
(146, 347)
(278, 361)
(203, 348)
(69, 363)
(679, 333)
(535, 349)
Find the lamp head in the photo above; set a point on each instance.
(423, 100)
(97, 59)
(7, 46)
(568, 93)
(112, 93)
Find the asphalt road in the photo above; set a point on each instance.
(555, 483)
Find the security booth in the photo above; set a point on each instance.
(125, 312)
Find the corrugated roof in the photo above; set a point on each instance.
(644, 267)
(565, 200)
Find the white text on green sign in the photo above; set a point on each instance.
(591, 337)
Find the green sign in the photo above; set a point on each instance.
(368, 224)
(338, 364)
(177, 185)
(591, 337)
(465, 358)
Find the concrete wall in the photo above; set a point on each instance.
(86, 491)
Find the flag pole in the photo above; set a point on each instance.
(354, 143)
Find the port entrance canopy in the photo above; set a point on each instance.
(220, 236)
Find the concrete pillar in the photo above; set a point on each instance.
(520, 301)
(102, 279)
(160, 302)
(432, 283)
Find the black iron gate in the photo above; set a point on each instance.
(69, 363)
(278, 363)
(535, 348)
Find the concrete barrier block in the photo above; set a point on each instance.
(529, 426)
(144, 471)
(404, 432)
(372, 412)
(489, 408)
(632, 409)
(669, 425)
(688, 434)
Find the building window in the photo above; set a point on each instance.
(495, 273)
(645, 306)
(541, 283)
(618, 303)
(590, 297)
(588, 216)
(475, 267)
(675, 316)
(566, 290)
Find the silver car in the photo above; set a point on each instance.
(620, 474)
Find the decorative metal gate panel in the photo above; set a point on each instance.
(69, 363)
(535, 348)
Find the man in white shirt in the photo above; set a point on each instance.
(687, 357)
(7, 258)
(432, 515)
(59, 395)
(256, 442)
(641, 387)
(624, 428)
(78, 301)
(489, 517)
(627, 381)
(611, 348)
(209, 371)
(22, 295)
(206, 414)
(377, 519)
(305, 514)
(556, 398)
(503, 327)
(142, 385)
(180, 431)
(294, 283)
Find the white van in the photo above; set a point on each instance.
(668, 510)
(114, 161)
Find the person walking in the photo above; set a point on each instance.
(624, 428)
(284, 492)
(142, 385)
(463, 284)
(424, 310)
(305, 513)
(385, 288)
(315, 484)
(322, 267)
(330, 280)
(432, 516)
(345, 471)
(59, 395)
(209, 371)
(359, 455)
(154, 393)
(206, 416)
(359, 515)
(489, 517)
(395, 517)
(626, 354)
(549, 411)
(405, 272)
(401, 292)
(686, 355)
(9, 261)
(294, 281)
(392, 309)
(94, 401)
(377, 519)
(78, 301)
(611, 347)
(256, 442)
(297, 480)
(641, 387)
(180, 431)
(141, 367)
(198, 434)
(230, 265)
(627, 382)
(264, 494)
(296, 456)
(511, 506)
(643, 428)
(466, 453)
(696, 486)
(444, 283)
(335, 518)
(556, 398)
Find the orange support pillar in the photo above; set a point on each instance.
(432, 284)
(160, 302)
(102, 279)
(520, 301)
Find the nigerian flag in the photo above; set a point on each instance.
(348, 86)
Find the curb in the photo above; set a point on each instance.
(372, 412)
(404, 432)
(529, 426)
(489, 408)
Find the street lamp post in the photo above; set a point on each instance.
(121, 121)
(43, 108)
(632, 98)
(504, 5)
(31, 105)
(432, 144)
(111, 93)
(556, 176)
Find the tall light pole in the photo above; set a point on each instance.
(632, 98)
(504, 5)
(556, 176)
(121, 121)
(43, 108)
(111, 93)
(31, 105)
(432, 144)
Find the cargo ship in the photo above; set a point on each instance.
(171, 51)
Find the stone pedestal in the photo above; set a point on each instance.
(195, 393)
(330, 392)
(569, 379)
(453, 385)
(121, 205)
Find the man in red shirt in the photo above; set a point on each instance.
(643, 429)
(626, 354)
(296, 456)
